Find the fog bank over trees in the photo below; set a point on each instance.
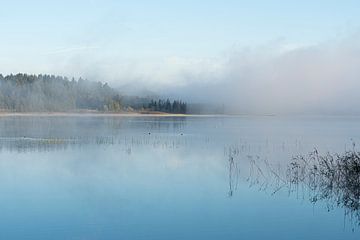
(49, 93)
(26, 93)
(277, 77)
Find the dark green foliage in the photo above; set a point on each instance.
(49, 93)
(167, 106)
(25, 93)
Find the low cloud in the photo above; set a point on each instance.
(323, 78)
(273, 78)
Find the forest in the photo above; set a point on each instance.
(49, 93)
(167, 106)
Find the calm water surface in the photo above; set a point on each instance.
(165, 178)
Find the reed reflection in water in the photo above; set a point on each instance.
(333, 179)
(163, 178)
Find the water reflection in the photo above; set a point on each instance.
(333, 179)
(234, 170)
(165, 178)
(127, 143)
(28, 134)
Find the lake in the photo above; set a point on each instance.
(106, 177)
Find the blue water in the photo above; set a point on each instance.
(162, 178)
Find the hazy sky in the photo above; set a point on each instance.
(256, 53)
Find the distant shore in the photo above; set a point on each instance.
(100, 114)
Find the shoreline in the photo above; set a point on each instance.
(104, 114)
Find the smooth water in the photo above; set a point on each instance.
(165, 178)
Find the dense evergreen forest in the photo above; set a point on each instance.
(26, 93)
(49, 93)
(167, 106)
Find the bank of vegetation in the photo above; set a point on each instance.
(49, 93)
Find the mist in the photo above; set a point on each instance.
(276, 77)
(318, 79)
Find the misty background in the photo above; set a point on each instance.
(256, 57)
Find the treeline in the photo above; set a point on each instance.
(26, 93)
(167, 106)
(49, 93)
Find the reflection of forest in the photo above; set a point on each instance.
(57, 133)
(24, 144)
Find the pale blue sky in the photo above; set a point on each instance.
(248, 46)
(158, 28)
